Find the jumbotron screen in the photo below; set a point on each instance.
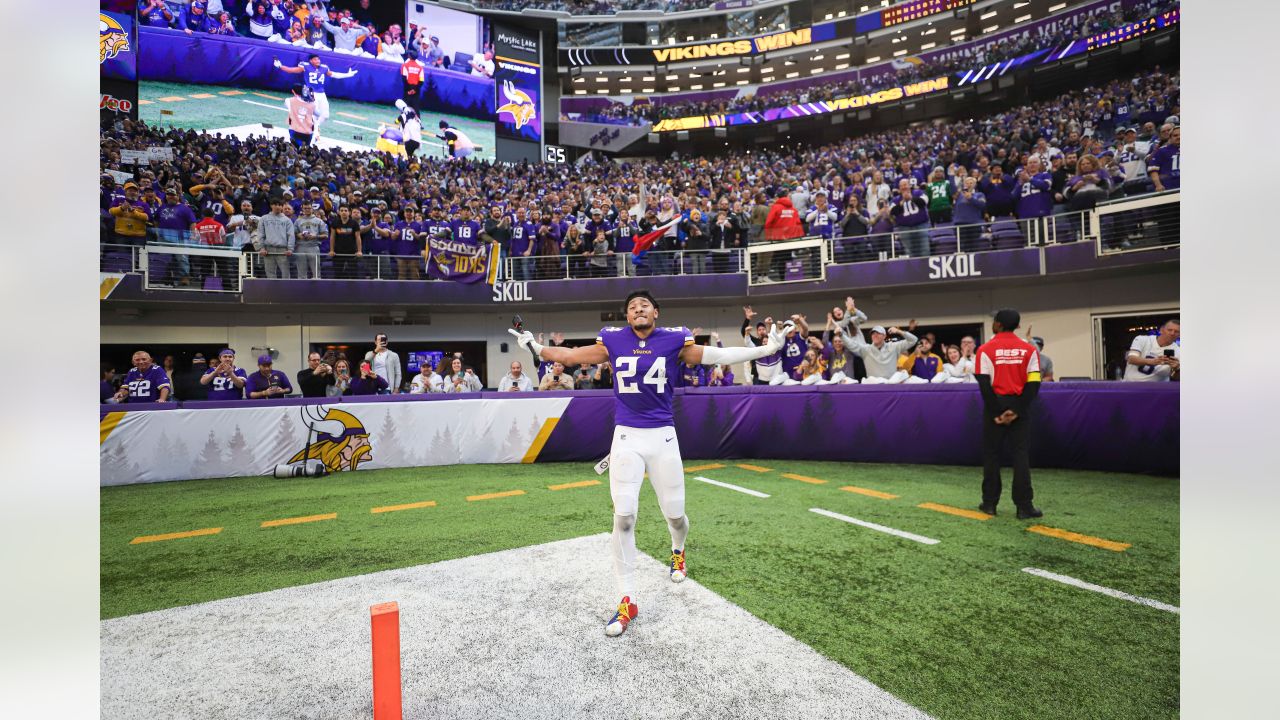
(916, 9)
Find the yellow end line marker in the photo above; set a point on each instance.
(494, 496)
(959, 512)
(700, 468)
(174, 536)
(299, 520)
(804, 479)
(871, 493)
(567, 486)
(754, 468)
(407, 506)
(231, 92)
(172, 98)
(1069, 536)
(201, 96)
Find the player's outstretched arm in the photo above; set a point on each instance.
(286, 68)
(593, 354)
(707, 355)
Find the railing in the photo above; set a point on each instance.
(1142, 223)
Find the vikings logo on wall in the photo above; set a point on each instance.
(341, 441)
(112, 38)
(519, 105)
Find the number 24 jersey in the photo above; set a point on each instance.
(641, 383)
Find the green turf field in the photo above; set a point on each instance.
(955, 628)
(213, 108)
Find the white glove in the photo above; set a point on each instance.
(276, 62)
(526, 341)
(777, 338)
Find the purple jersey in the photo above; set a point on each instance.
(406, 238)
(313, 77)
(467, 230)
(375, 242)
(522, 234)
(1035, 196)
(641, 384)
(257, 382)
(223, 388)
(144, 387)
(177, 216)
(1166, 161)
(693, 375)
(793, 353)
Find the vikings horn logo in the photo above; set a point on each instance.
(341, 441)
(519, 106)
(112, 39)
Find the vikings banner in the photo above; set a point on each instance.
(517, 83)
(462, 262)
(117, 60)
(156, 446)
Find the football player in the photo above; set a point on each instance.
(314, 74)
(645, 359)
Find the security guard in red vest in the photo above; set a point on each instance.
(1008, 374)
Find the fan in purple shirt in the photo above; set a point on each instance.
(644, 438)
(1163, 167)
(464, 228)
(406, 235)
(998, 188)
(145, 383)
(267, 383)
(226, 381)
(1035, 196)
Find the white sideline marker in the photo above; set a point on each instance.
(872, 526)
(717, 483)
(1067, 580)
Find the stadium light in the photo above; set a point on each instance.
(993, 28)
(873, 59)
(900, 53)
(983, 16)
(1024, 18)
(1056, 8)
(926, 46)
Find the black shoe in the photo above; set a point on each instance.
(1029, 512)
(988, 509)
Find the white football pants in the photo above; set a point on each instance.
(634, 452)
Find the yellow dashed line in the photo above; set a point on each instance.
(494, 496)
(201, 96)
(408, 506)
(174, 536)
(1069, 536)
(699, 468)
(172, 98)
(871, 493)
(567, 486)
(804, 479)
(231, 92)
(754, 468)
(264, 95)
(299, 520)
(959, 512)
(353, 116)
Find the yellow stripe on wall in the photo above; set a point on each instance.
(536, 446)
(107, 424)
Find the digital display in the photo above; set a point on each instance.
(117, 45)
(431, 358)
(916, 9)
(517, 84)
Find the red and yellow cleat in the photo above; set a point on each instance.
(627, 611)
(678, 572)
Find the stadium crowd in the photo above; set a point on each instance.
(343, 26)
(847, 350)
(271, 198)
(851, 83)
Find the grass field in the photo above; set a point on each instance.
(219, 108)
(955, 628)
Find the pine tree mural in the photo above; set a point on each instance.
(163, 451)
(240, 454)
(116, 468)
(286, 443)
(515, 445)
(386, 444)
(211, 462)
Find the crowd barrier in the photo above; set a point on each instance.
(1105, 426)
(174, 56)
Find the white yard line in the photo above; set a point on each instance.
(281, 108)
(360, 127)
(873, 526)
(717, 483)
(1068, 580)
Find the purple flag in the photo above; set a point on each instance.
(462, 262)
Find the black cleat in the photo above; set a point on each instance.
(1029, 512)
(988, 509)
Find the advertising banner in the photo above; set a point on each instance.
(462, 262)
(117, 60)
(517, 83)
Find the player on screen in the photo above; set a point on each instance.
(314, 74)
(646, 359)
(456, 144)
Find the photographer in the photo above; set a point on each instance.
(556, 379)
(386, 364)
(1155, 358)
(267, 383)
(341, 379)
(369, 382)
(459, 380)
(226, 381)
(316, 380)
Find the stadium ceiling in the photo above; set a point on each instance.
(812, 60)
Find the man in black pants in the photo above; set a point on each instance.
(1008, 374)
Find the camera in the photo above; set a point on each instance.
(307, 468)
